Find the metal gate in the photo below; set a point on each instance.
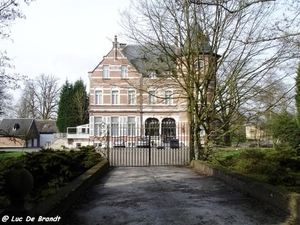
(148, 156)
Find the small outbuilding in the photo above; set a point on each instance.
(47, 130)
(19, 133)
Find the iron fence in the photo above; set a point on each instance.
(150, 144)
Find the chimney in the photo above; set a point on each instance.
(116, 47)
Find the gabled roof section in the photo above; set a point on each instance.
(153, 58)
(16, 127)
(115, 53)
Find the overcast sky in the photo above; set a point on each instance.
(65, 38)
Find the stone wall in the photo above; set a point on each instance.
(285, 200)
(59, 203)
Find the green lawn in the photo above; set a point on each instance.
(10, 154)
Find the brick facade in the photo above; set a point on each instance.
(124, 91)
(119, 93)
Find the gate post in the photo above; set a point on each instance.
(107, 141)
(149, 144)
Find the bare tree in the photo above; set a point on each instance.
(217, 52)
(40, 98)
(9, 11)
(5, 100)
(255, 106)
(8, 81)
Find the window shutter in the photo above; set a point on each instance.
(91, 125)
(138, 126)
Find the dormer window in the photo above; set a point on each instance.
(16, 126)
(152, 74)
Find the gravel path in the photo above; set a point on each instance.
(168, 195)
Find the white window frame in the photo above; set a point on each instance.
(115, 126)
(151, 97)
(132, 126)
(99, 127)
(131, 97)
(124, 71)
(168, 97)
(98, 97)
(105, 71)
(115, 99)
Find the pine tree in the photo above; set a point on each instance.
(73, 106)
(65, 114)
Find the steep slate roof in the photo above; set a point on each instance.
(135, 55)
(46, 126)
(146, 60)
(22, 126)
(151, 58)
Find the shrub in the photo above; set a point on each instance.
(224, 158)
(50, 169)
(280, 167)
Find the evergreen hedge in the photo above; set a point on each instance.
(51, 170)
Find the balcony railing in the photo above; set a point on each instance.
(78, 136)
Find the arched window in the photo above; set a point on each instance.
(168, 129)
(152, 127)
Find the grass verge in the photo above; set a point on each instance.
(10, 154)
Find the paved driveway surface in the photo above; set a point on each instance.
(168, 195)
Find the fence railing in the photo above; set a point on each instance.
(150, 144)
(173, 135)
(148, 156)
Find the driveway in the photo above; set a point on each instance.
(168, 195)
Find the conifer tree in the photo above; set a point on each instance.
(65, 114)
(73, 106)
